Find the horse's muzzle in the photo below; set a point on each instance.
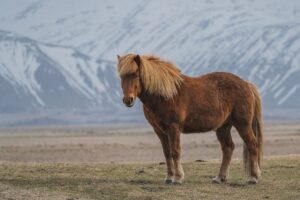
(128, 101)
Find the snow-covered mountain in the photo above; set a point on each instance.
(35, 75)
(60, 54)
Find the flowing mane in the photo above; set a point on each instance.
(158, 76)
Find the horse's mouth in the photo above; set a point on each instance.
(129, 105)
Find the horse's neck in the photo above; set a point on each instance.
(150, 100)
(146, 98)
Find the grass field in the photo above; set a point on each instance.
(280, 180)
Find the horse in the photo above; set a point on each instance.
(174, 103)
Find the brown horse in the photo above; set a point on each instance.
(175, 103)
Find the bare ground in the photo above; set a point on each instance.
(128, 144)
(93, 163)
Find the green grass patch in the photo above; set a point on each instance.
(280, 180)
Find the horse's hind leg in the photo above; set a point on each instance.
(224, 137)
(249, 139)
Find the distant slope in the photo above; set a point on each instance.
(40, 76)
(71, 43)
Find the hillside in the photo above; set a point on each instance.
(62, 56)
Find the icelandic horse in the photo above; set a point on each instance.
(174, 103)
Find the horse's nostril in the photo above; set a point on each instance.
(130, 99)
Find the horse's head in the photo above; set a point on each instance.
(129, 71)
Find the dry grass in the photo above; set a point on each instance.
(281, 178)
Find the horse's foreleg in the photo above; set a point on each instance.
(167, 153)
(224, 137)
(174, 140)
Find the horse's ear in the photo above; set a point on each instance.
(137, 60)
(119, 57)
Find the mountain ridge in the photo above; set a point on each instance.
(67, 60)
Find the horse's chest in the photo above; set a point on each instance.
(166, 120)
(162, 117)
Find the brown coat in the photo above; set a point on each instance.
(175, 103)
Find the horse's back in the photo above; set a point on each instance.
(215, 97)
(221, 85)
(222, 79)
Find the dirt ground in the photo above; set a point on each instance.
(128, 144)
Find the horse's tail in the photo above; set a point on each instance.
(257, 129)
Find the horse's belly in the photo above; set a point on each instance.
(196, 125)
(187, 129)
(196, 128)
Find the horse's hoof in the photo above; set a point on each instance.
(168, 181)
(253, 180)
(218, 180)
(177, 182)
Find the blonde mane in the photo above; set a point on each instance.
(158, 76)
